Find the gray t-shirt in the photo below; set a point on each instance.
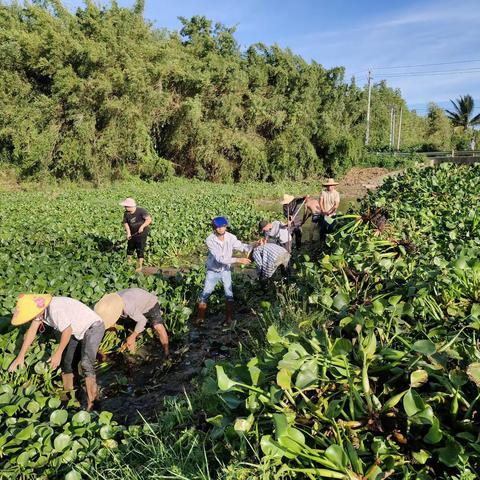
(137, 302)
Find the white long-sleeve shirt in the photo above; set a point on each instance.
(220, 253)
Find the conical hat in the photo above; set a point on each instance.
(287, 199)
(29, 306)
(330, 181)
(109, 308)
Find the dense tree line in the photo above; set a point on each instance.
(102, 93)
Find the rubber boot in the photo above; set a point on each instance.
(139, 265)
(202, 309)
(91, 388)
(67, 380)
(228, 312)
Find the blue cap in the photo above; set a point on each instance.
(220, 222)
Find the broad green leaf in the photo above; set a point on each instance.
(337, 455)
(26, 433)
(81, 418)
(412, 403)
(61, 442)
(392, 401)
(340, 301)
(254, 374)
(421, 456)
(308, 374)
(105, 418)
(450, 454)
(369, 345)
(272, 336)
(293, 440)
(58, 417)
(281, 424)
(271, 448)
(434, 434)
(224, 383)
(73, 475)
(426, 347)
(342, 346)
(377, 307)
(284, 378)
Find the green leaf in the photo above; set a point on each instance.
(73, 475)
(81, 418)
(33, 406)
(450, 454)
(418, 378)
(342, 346)
(377, 307)
(254, 374)
(337, 455)
(224, 383)
(59, 417)
(421, 456)
(272, 336)
(434, 435)
(106, 432)
(54, 402)
(26, 433)
(293, 440)
(412, 403)
(61, 442)
(271, 448)
(393, 300)
(426, 347)
(308, 374)
(284, 378)
(105, 418)
(281, 424)
(340, 301)
(392, 401)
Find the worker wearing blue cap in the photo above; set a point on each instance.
(221, 245)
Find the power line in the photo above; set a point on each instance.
(426, 64)
(431, 73)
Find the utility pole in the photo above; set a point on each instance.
(393, 127)
(399, 129)
(390, 141)
(367, 132)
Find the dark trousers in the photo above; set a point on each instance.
(89, 348)
(325, 227)
(137, 244)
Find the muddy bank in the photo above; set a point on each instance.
(135, 385)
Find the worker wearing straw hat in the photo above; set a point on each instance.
(140, 306)
(329, 202)
(76, 323)
(292, 207)
(136, 221)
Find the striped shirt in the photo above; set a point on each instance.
(268, 257)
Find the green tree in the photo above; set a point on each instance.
(438, 134)
(461, 116)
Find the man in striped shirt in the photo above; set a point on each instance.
(268, 258)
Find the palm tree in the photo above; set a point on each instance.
(463, 109)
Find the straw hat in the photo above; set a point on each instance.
(29, 306)
(287, 199)
(330, 181)
(128, 202)
(109, 308)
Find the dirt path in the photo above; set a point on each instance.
(135, 385)
(358, 181)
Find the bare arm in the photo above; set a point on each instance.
(127, 230)
(145, 224)
(27, 341)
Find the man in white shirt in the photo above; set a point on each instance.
(276, 232)
(75, 322)
(221, 245)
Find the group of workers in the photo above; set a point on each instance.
(78, 327)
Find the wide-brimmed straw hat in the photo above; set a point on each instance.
(287, 199)
(109, 308)
(330, 181)
(29, 306)
(128, 202)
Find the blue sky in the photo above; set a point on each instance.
(357, 34)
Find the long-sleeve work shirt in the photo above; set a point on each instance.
(220, 253)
